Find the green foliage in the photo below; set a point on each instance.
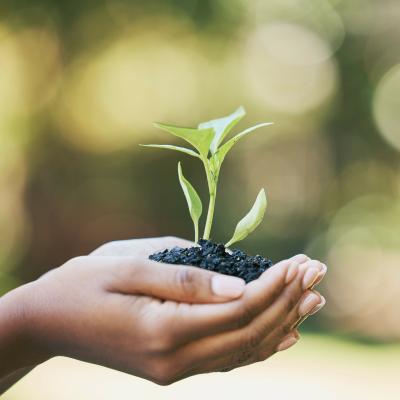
(193, 201)
(222, 126)
(224, 149)
(250, 222)
(207, 139)
(171, 147)
(200, 139)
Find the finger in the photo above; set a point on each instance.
(321, 275)
(169, 242)
(193, 322)
(245, 357)
(241, 343)
(269, 350)
(145, 246)
(314, 311)
(274, 346)
(286, 305)
(288, 342)
(278, 340)
(303, 312)
(292, 304)
(208, 353)
(173, 282)
(310, 303)
(300, 258)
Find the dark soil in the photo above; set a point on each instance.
(214, 257)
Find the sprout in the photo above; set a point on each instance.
(207, 140)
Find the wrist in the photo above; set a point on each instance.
(18, 346)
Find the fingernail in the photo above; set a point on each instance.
(296, 334)
(320, 275)
(298, 322)
(289, 342)
(303, 266)
(318, 307)
(312, 312)
(227, 286)
(309, 303)
(310, 277)
(292, 271)
(300, 258)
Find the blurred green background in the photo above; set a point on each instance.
(81, 83)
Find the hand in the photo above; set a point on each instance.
(144, 318)
(147, 246)
(140, 247)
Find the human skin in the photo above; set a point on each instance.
(119, 309)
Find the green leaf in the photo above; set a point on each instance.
(222, 126)
(251, 220)
(170, 147)
(200, 139)
(224, 149)
(193, 201)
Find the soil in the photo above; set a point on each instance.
(214, 257)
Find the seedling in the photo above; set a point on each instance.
(207, 140)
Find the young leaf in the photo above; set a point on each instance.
(193, 201)
(222, 126)
(251, 220)
(170, 147)
(200, 139)
(223, 150)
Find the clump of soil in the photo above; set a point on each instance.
(214, 257)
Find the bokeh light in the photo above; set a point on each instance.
(289, 68)
(126, 85)
(320, 17)
(362, 245)
(387, 106)
(79, 89)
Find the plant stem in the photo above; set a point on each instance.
(210, 215)
(196, 232)
(212, 188)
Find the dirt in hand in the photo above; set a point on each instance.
(214, 257)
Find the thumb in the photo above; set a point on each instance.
(177, 282)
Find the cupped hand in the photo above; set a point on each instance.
(140, 247)
(163, 322)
